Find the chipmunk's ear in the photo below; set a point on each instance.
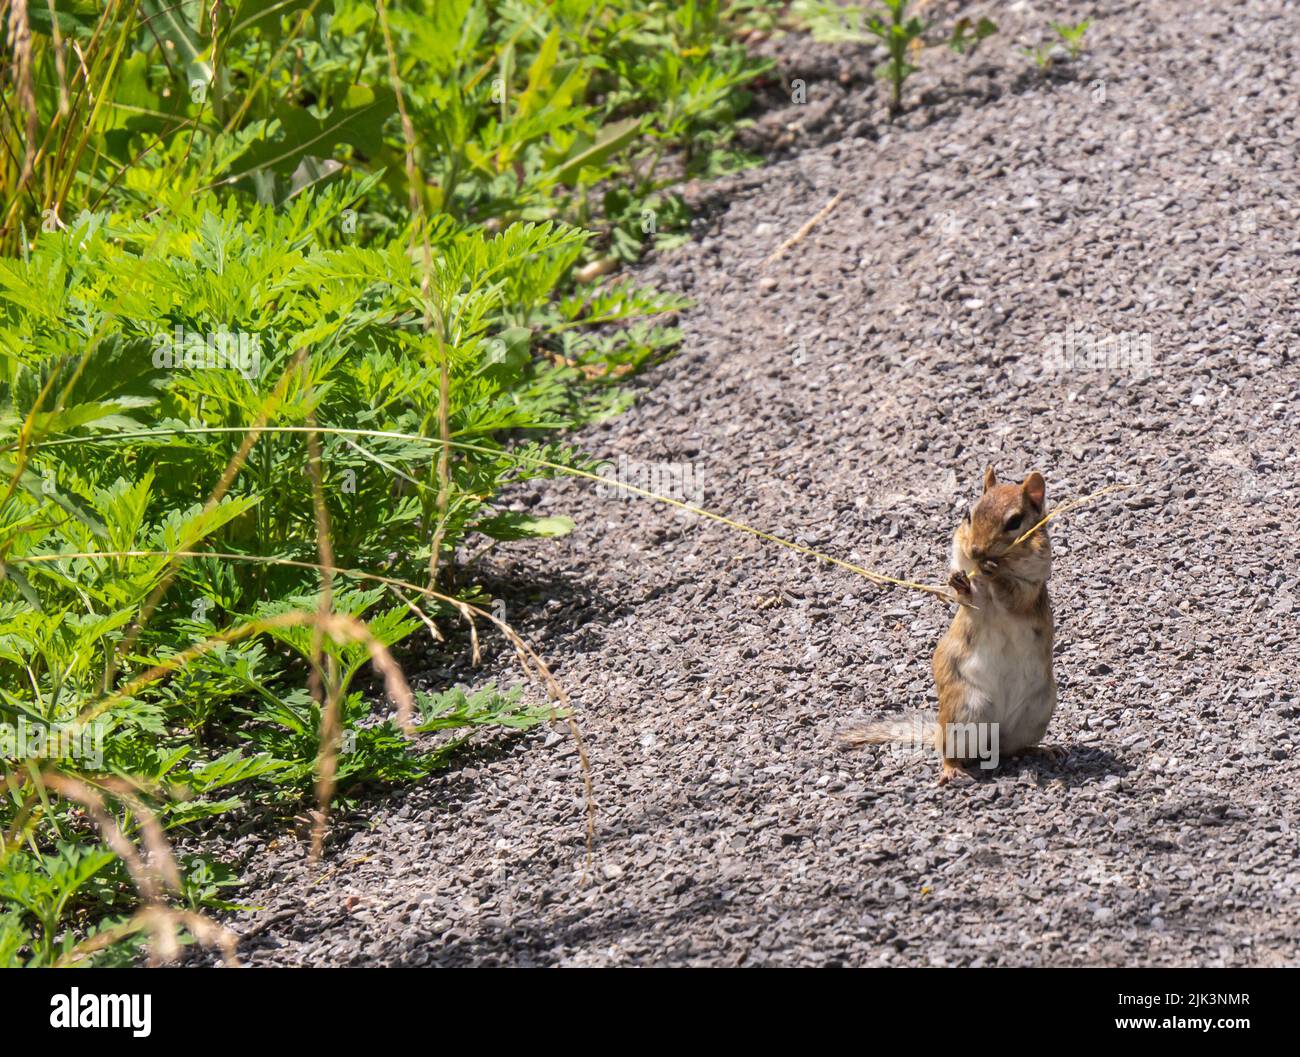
(1034, 489)
(990, 478)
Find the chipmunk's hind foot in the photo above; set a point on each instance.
(953, 771)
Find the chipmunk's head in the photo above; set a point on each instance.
(985, 541)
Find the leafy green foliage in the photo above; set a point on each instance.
(1072, 35)
(1041, 56)
(42, 888)
(209, 255)
(966, 35)
(900, 32)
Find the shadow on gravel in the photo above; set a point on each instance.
(665, 937)
(536, 607)
(1081, 767)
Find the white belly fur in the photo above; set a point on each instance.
(1008, 683)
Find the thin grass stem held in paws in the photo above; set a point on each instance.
(878, 578)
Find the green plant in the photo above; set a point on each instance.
(59, 108)
(901, 33)
(1072, 35)
(247, 428)
(1041, 56)
(136, 287)
(966, 35)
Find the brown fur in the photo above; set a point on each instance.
(1004, 587)
(1001, 580)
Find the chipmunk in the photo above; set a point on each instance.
(993, 667)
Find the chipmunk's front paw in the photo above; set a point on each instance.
(960, 583)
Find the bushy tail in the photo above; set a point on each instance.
(917, 729)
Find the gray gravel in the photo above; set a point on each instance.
(849, 396)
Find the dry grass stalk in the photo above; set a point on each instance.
(152, 878)
(19, 41)
(60, 64)
(163, 923)
(328, 699)
(233, 467)
(149, 878)
(383, 662)
(421, 614)
(802, 233)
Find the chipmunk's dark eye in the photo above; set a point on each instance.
(1013, 523)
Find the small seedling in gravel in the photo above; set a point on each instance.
(966, 35)
(1042, 56)
(901, 33)
(897, 32)
(1072, 35)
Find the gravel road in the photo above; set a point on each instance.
(1144, 201)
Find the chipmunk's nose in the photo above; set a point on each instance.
(978, 553)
